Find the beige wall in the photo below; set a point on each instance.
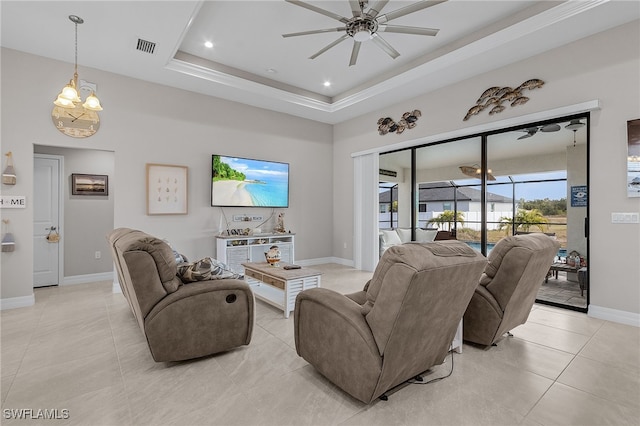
(148, 123)
(603, 67)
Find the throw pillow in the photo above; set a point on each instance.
(425, 235)
(390, 238)
(204, 269)
(404, 234)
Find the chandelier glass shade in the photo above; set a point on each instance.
(476, 172)
(68, 97)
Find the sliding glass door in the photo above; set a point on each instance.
(543, 168)
(482, 188)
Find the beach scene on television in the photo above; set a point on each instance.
(249, 183)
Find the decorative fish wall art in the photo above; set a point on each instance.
(495, 97)
(408, 121)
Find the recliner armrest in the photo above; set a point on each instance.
(332, 335)
(200, 319)
(199, 287)
(341, 306)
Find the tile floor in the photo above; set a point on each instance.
(561, 290)
(79, 349)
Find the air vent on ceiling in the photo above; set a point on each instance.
(146, 46)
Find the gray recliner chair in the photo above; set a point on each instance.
(399, 326)
(508, 287)
(179, 321)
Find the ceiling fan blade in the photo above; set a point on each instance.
(318, 10)
(528, 135)
(355, 7)
(377, 7)
(408, 9)
(321, 51)
(382, 44)
(354, 52)
(550, 128)
(328, 30)
(407, 30)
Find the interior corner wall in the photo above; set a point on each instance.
(143, 122)
(585, 70)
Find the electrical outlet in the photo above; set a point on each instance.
(344, 245)
(98, 255)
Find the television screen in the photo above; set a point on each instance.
(242, 182)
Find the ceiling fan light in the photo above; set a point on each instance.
(574, 125)
(92, 103)
(362, 35)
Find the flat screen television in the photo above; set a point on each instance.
(243, 182)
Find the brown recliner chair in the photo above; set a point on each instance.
(179, 321)
(508, 287)
(399, 326)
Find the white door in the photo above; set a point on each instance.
(46, 205)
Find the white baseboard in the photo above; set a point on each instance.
(17, 302)
(88, 278)
(323, 260)
(614, 315)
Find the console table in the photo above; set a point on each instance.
(278, 286)
(233, 250)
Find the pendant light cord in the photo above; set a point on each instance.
(75, 74)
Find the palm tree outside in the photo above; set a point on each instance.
(524, 220)
(447, 217)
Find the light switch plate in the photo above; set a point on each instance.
(625, 217)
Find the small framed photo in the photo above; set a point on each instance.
(166, 189)
(82, 184)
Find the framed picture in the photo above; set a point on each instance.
(82, 184)
(633, 158)
(166, 189)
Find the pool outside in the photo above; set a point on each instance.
(562, 253)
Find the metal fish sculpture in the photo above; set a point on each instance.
(496, 109)
(520, 100)
(487, 94)
(408, 121)
(509, 96)
(503, 91)
(473, 111)
(498, 95)
(534, 83)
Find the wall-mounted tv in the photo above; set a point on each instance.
(243, 182)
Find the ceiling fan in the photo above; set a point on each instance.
(366, 24)
(533, 130)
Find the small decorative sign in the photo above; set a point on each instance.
(388, 173)
(579, 196)
(13, 201)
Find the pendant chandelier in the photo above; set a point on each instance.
(69, 98)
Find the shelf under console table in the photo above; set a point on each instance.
(234, 250)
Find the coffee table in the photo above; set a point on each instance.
(278, 286)
(563, 267)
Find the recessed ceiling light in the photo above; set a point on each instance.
(327, 83)
(208, 44)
